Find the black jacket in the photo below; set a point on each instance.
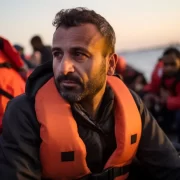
(20, 140)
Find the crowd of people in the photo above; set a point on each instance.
(77, 110)
(162, 94)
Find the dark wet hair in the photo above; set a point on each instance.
(77, 16)
(172, 50)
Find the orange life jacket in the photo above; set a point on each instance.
(59, 133)
(11, 84)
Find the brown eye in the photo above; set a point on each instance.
(57, 54)
(80, 56)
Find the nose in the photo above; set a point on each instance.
(66, 65)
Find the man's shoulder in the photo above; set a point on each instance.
(138, 101)
(20, 114)
(21, 103)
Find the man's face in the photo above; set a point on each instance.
(171, 65)
(78, 63)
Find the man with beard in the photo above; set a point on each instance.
(167, 91)
(78, 121)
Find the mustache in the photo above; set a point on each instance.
(69, 77)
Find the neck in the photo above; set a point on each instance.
(92, 105)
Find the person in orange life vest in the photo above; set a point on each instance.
(78, 121)
(20, 49)
(11, 83)
(167, 91)
(152, 88)
(13, 57)
(28, 62)
(170, 81)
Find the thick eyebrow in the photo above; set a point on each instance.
(55, 49)
(76, 48)
(79, 48)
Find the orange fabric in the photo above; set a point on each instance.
(127, 123)
(156, 76)
(121, 65)
(3, 57)
(11, 82)
(59, 132)
(122, 177)
(55, 117)
(29, 72)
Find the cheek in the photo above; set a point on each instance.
(55, 68)
(178, 65)
(85, 72)
(92, 67)
(107, 66)
(86, 69)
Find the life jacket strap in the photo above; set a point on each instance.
(6, 94)
(108, 174)
(5, 65)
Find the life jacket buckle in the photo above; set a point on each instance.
(107, 174)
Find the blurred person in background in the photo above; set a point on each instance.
(20, 49)
(164, 91)
(12, 75)
(155, 77)
(134, 79)
(35, 58)
(38, 46)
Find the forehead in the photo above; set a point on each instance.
(170, 58)
(86, 35)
